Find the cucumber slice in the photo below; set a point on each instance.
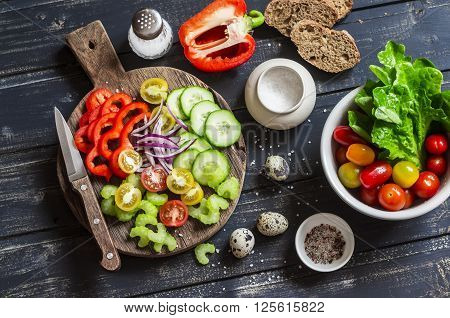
(200, 144)
(191, 96)
(210, 168)
(173, 101)
(222, 129)
(185, 159)
(199, 113)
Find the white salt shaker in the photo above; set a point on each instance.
(150, 36)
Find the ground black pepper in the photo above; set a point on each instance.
(324, 244)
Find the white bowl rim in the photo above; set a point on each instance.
(342, 226)
(327, 158)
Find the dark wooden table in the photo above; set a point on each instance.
(45, 252)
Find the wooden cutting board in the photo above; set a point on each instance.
(93, 48)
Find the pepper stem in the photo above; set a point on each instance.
(256, 18)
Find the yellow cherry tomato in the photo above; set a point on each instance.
(154, 90)
(405, 174)
(167, 120)
(349, 175)
(180, 181)
(361, 155)
(129, 161)
(128, 197)
(193, 196)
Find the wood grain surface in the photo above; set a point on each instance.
(96, 54)
(44, 251)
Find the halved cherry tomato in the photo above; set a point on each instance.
(375, 174)
(128, 197)
(154, 178)
(167, 120)
(180, 180)
(427, 185)
(437, 165)
(340, 155)
(409, 198)
(349, 175)
(345, 136)
(193, 196)
(369, 196)
(129, 161)
(361, 155)
(114, 103)
(405, 174)
(173, 213)
(154, 90)
(436, 144)
(97, 98)
(392, 197)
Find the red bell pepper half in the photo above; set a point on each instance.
(216, 39)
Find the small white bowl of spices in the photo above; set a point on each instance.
(324, 242)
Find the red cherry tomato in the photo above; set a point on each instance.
(345, 136)
(375, 174)
(173, 213)
(341, 158)
(437, 165)
(427, 185)
(436, 144)
(409, 198)
(392, 197)
(369, 196)
(360, 154)
(154, 178)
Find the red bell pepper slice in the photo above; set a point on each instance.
(84, 119)
(114, 133)
(81, 140)
(97, 98)
(102, 169)
(216, 39)
(115, 103)
(96, 128)
(125, 143)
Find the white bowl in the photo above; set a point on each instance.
(327, 153)
(331, 219)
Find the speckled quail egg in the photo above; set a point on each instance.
(271, 223)
(242, 242)
(277, 168)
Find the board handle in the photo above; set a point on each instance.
(110, 257)
(95, 52)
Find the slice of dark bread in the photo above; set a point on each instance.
(284, 14)
(328, 50)
(343, 7)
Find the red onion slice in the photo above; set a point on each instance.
(173, 154)
(179, 121)
(158, 145)
(149, 123)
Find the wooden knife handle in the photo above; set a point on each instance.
(95, 52)
(110, 257)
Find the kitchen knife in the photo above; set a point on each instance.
(79, 179)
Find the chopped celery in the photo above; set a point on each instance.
(148, 208)
(156, 199)
(135, 180)
(107, 206)
(108, 191)
(159, 236)
(216, 203)
(201, 250)
(123, 215)
(142, 233)
(143, 219)
(229, 188)
(169, 241)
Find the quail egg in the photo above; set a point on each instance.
(271, 223)
(241, 242)
(277, 168)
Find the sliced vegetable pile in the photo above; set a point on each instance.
(385, 150)
(176, 146)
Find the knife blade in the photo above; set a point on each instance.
(72, 158)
